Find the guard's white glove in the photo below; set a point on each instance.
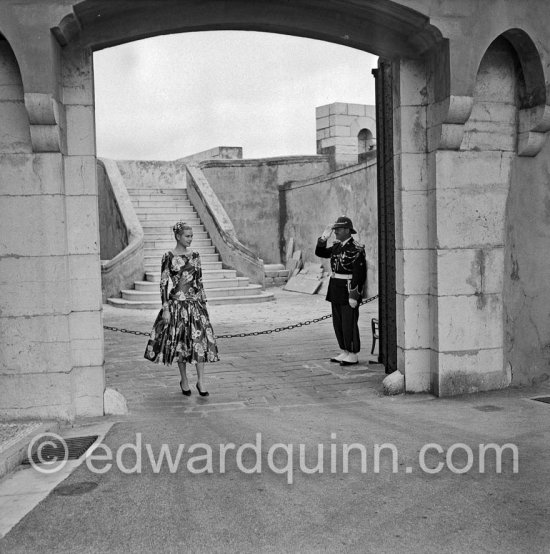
(353, 303)
(326, 233)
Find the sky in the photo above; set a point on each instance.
(171, 96)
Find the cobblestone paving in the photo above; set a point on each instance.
(289, 368)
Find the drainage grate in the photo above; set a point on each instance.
(55, 450)
(545, 399)
(488, 408)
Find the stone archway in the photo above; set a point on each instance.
(410, 32)
(434, 64)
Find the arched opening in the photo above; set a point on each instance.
(366, 144)
(389, 31)
(57, 74)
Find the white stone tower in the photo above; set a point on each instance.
(347, 132)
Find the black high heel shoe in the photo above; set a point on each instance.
(185, 392)
(202, 393)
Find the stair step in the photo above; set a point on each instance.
(133, 305)
(157, 253)
(153, 276)
(220, 301)
(280, 273)
(161, 203)
(208, 282)
(224, 300)
(198, 244)
(140, 210)
(147, 190)
(162, 233)
(154, 261)
(151, 267)
(160, 197)
(249, 290)
(157, 211)
(145, 296)
(169, 236)
(169, 218)
(166, 223)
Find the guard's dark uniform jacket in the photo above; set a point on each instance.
(347, 259)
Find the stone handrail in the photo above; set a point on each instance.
(127, 266)
(220, 228)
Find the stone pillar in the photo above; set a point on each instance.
(51, 362)
(35, 355)
(473, 177)
(413, 242)
(81, 197)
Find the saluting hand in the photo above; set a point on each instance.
(327, 232)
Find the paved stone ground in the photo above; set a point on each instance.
(273, 370)
(281, 387)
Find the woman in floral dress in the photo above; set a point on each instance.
(182, 329)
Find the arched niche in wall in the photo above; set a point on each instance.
(14, 122)
(492, 125)
(534, 113)
(508, 123)
(365, 144)
(526, 78)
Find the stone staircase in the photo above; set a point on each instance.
(157, 211)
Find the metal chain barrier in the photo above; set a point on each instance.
(251, 334)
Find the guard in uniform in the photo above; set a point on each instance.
(349, 272)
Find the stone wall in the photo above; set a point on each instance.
(217, 153)
(112, 231)
(152, 174)
(249, 192)
(51, 359)
(527, 271)
(308, 206)
(470, 175)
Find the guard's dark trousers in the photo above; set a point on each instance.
(344, 319)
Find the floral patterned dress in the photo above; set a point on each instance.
(189, 335)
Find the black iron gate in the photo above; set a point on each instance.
(386, 217)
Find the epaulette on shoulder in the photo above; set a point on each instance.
(360, 246)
